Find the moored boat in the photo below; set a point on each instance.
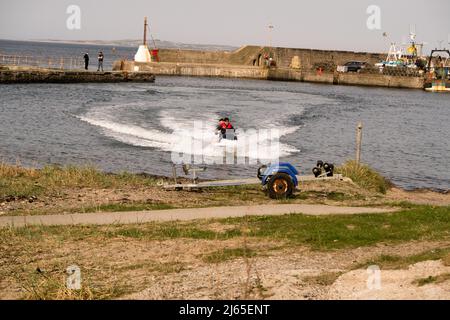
(438, 70)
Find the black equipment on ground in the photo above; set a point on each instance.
(323, 169)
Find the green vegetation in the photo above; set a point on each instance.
(164, 268)
(319, 196)
(23, 183)
(364, 176)
(432, 279)
(393, 262)
(319, 232)
(121, 207)
(108, 207)
(324, 279)
(446, 260)
(228, 254)
(333, 232)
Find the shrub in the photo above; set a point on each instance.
(364, 176)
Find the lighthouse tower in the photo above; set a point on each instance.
(143, 55)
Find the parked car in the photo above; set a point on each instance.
(355, 66)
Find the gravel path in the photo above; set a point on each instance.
(182, 214)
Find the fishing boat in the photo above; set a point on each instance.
(438, 86)
(438, 72)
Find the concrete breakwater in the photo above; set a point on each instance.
(250, 62)
(38, 75)
(284, 57)
(281, 74)
(339, 78)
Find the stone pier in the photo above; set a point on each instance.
(9, 75)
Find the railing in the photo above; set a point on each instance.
(43, 62)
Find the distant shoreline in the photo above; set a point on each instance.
(133, 43)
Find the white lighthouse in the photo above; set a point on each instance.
(143, 55)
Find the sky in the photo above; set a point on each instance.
(324, 24)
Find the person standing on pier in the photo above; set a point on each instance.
(100, 61)
(86, 61)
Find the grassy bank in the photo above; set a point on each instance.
(24, 183)
(318, 232)
(71, 189)
(120, 259)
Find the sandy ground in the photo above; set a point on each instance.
(175, 269)
(419, 196)
(393, 284)
(287, 275)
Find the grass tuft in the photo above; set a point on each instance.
(324, 279)
(364, 176)
(228, 254)
(394, 262)
(432, 279)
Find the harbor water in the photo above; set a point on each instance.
(132, 127)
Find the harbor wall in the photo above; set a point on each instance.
(195, 69)
(59, 76)
(279, 74)
(380, 80)
(253, 56)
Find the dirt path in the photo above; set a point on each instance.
(182, 214)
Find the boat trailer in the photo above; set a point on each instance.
(280, 180)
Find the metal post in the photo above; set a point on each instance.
(145, 31)
(270, 26)
(358, 142)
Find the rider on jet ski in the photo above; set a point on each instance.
(223, 126)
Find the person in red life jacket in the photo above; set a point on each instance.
(226, 125)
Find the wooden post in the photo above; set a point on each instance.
(358, 142)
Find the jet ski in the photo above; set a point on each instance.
(230, 135)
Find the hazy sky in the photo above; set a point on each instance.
(323, 24)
